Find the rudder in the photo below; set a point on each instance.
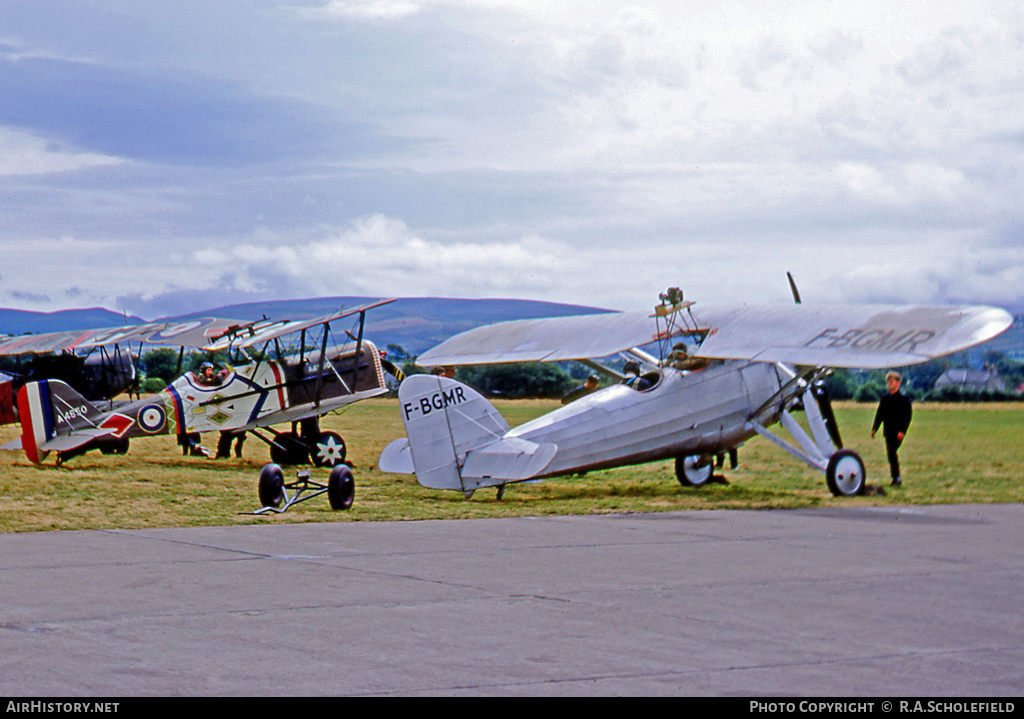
(444, 420)
(49, 408)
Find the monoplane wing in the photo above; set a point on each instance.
(261, 332)
(861, 336)
(858, 336)
(545, 340)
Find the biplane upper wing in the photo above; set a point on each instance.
(260, 332)
(861, 336)
(190, 333)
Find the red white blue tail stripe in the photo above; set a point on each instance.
(36, 412)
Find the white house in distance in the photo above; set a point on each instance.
(972, 379)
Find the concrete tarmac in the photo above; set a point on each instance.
(879, 602)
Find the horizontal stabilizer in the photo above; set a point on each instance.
(396, 458)
(510, 459)
(62, 443)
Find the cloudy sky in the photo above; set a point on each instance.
(167, 157)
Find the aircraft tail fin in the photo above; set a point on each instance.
(50, 410)
(8, 412)
(456, 437)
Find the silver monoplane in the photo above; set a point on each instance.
(723, 375)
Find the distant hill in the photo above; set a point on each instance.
(17, 322)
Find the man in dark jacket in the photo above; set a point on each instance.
(895, 412)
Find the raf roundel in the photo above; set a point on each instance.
(152, 418)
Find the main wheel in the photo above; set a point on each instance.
(341, 487)
(271, 487)
(693, 471)
(289, 449)
(845, 474)
(327, 450)
(114, 446)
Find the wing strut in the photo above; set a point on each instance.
(320, 367)
(359, 352)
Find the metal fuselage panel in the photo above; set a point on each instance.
(683, 414)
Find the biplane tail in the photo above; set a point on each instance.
(8, 406)
(456, 439)
(55, 416)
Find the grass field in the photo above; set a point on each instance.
(953, 454)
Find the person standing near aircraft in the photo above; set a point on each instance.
(895, 412)
(224, 444)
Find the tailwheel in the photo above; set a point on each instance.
(327, 450)
(845, 474)
(271, 486)
(341, 487)
(694, 470)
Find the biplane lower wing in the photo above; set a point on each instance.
(859, 336)
(307, 411)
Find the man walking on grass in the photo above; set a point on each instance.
(895, 412)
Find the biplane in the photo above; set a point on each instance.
(273, 387)
(99, 364)
(722, 375)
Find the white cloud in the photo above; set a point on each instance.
(23, 153)
(362, 9)
(381, 255)
(592, 152)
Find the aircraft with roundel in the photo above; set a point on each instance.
(275, 385)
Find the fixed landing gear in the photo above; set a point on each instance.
(694, 470)
(307, 445)
(845, 474)
(287, 448)
(327, 450)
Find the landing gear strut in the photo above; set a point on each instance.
(822, 448)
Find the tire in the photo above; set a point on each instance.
(327, 450)
(691, 471)
(114, 446)
(288, 449)
(271, 486)
(341, 487)
(845, 474)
